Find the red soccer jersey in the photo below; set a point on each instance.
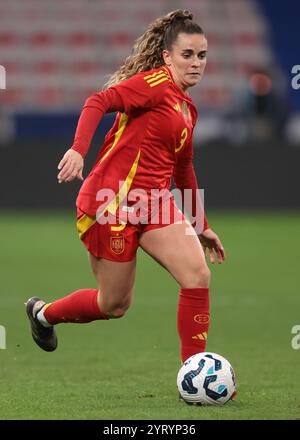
(150, 141)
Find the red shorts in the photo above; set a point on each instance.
(120, 242)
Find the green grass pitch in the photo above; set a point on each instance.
(127, 368)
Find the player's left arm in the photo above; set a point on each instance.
(185, 177)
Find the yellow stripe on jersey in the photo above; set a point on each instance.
(155, 78)
(121, 126)
(84, 223)
(153, 75)
(158, 82)
(113, 205)
(167, 73)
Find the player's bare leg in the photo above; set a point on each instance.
(111, 300)
(116, 282)
(182, 255)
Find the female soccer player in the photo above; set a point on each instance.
(149, 144)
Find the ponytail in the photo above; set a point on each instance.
(161, 34)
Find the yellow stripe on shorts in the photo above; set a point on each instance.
(84, 223)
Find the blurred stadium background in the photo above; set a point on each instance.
(57, 53)
(247, 154)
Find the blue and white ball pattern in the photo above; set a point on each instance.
(206, 379)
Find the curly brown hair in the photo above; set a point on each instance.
(161, 34)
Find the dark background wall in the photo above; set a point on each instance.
(252, 176)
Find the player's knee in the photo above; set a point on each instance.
(117, 313)
(203, 276)
(196, 278)
(115, 303)
(118, 310)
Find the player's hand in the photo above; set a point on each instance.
(211, 242)
(70, 167)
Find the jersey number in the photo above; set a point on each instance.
(184, 135)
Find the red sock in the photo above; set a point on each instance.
(80, 307)
(193, 321)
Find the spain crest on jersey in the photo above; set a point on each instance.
(117, 244)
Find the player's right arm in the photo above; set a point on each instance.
(140, 91)
(71, 165)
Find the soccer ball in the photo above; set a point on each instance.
(206, 379)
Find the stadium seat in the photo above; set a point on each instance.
(63, 47)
